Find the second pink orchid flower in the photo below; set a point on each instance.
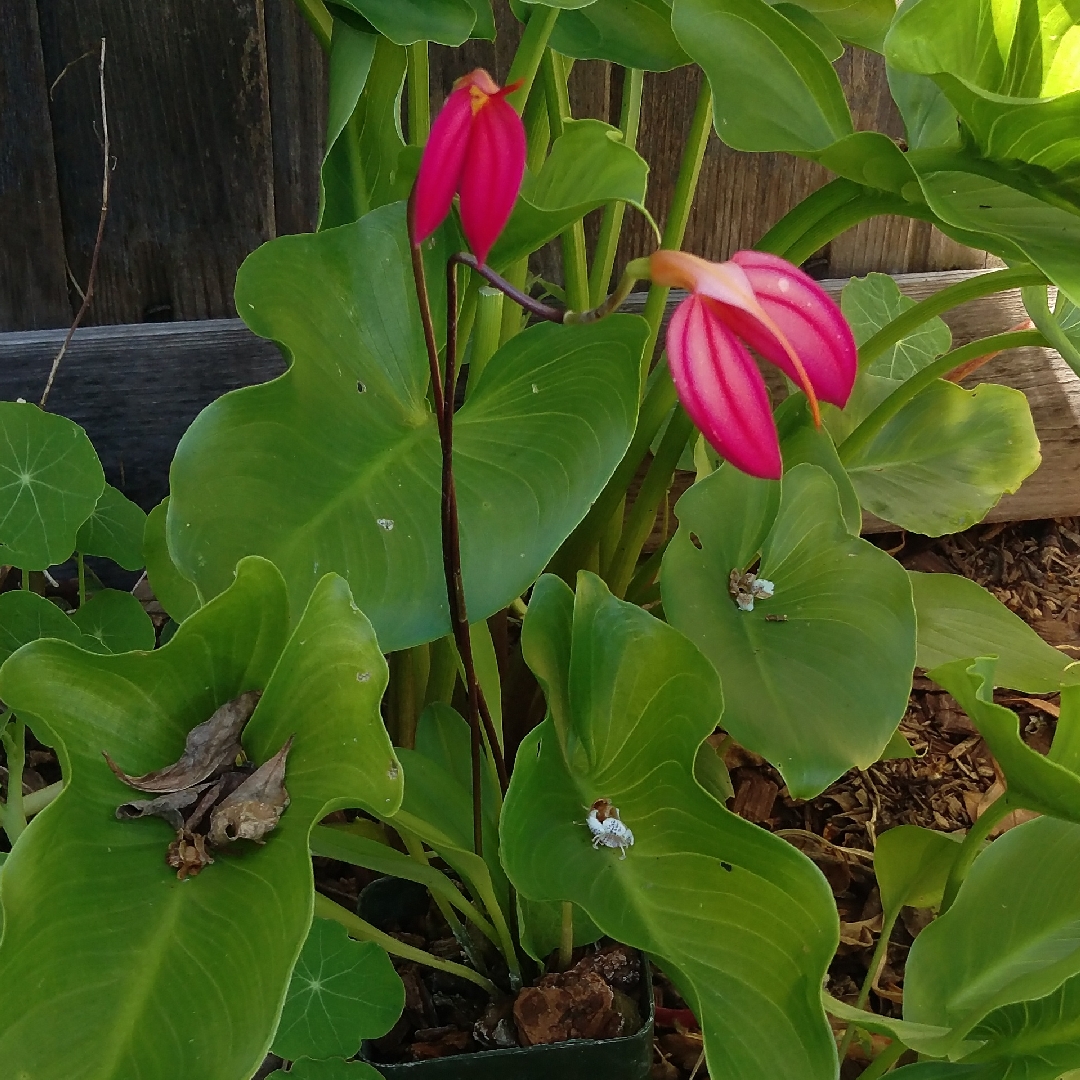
(767, 303)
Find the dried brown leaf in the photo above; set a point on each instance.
(164, 806)
(256, 806)
(188, 854)
(209, 749)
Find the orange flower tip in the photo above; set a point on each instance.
(478, 79)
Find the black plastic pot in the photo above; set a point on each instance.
(628, 1057)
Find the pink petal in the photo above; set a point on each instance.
(806, 316)
(441, 164)
(491, 177)
(721, 388)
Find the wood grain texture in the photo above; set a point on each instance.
(33, 286)
(135, 389)
(189, 121)
(297, 70)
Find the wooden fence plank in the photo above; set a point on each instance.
(135, 389)
(189, 122)
(33, 283)
(297, 69)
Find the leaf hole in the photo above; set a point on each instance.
(727, 866)
(360, 388)
(695, 540)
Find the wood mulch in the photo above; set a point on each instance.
(1034, 569)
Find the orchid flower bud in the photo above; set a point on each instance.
(476, 150)
(762, 301)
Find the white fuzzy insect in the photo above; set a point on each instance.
(606, 827)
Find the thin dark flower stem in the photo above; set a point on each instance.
(424, 300)
(88, 294)
(479, 714)
(522, 299)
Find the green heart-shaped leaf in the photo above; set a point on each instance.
(336, 464)
(110, 998)
(946, 458)
(173, 591)
(114, 530)
(633, 33)
(50, 482)
(448, 22)
(1047, 785)
(117, 621)
(958, 619)
(342, 992)
(589, 166)
(817, 677)
(1012, 934)
(698, 882)
(773, 88)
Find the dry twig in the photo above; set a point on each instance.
(106, 170)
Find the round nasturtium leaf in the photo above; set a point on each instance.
(114, 530)
(25, 617)
(117, 621)
(817, 676)
(50, 482)
(182, 978)
(342, 992)
(336, 465)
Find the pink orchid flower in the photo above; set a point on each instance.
(477, 151)
(762, 301)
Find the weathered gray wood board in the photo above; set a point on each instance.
(136, 388)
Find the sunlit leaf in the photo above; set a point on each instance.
(699, 882)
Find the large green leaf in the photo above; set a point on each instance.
(448, 22)
(958, 619)
(1008, 66)
(872, 302)
(946, 458)
(589, 166)
(633, 33)
(117, 621)
(87, 995)
(363, 140)
(1021, 223)
(1048, 785)
(1012, 934)
(173, 591)
(862, 22)
(114, 530)
(50, 482)
(823, 689)
(700, 884)
(341, 992)
(317, 476)
(773, 88)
